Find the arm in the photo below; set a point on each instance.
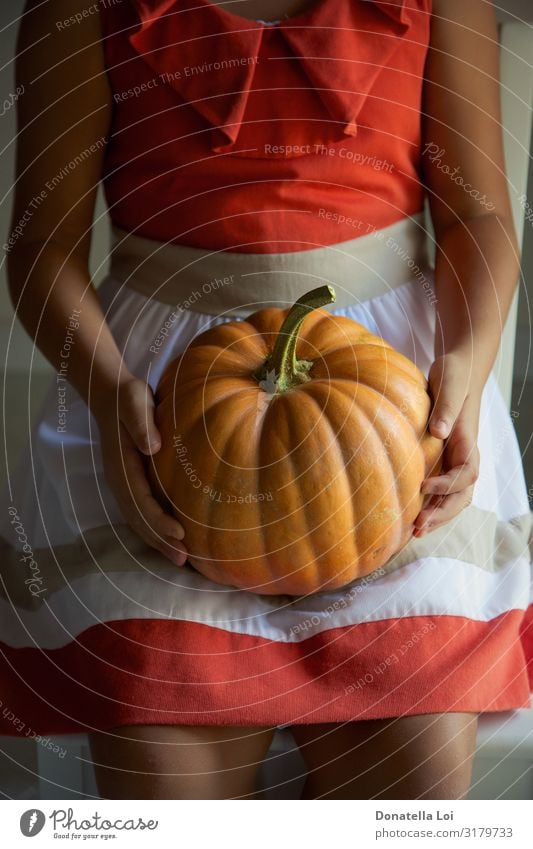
(65, 111)
(477, 263)
(64, 114)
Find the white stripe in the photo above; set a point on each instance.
(429, 587)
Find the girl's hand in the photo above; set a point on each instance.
(127, 432)
(455, 417)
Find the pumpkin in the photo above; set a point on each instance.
(294, 444)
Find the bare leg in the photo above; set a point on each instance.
(414, 757)
(178, 762)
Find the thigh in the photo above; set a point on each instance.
(178, 762)
(414, 757)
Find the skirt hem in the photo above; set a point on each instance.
(195, 674)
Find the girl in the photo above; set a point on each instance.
(269, 142)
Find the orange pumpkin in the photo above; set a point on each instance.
(294, 446)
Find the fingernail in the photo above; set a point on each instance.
(174, 556)
(442, 426)
(148, 447)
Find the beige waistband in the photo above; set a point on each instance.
(231, 283)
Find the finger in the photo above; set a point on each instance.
(137, 415)
(462, 448)
(455, 480)
(127, 479)
(448, 390)
(161, 524)
(173, 551)
(171, 548)
(430, 518)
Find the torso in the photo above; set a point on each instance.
(264, 138)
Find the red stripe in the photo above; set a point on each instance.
(526, 633)
(170, 672)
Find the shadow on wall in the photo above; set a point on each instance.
(522, 397)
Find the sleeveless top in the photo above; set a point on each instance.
(230, 134)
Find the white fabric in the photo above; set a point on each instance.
(234, 284)
(432, 587)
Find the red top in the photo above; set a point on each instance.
(229, 134)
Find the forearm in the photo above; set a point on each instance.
(476, 273)
(58, 306)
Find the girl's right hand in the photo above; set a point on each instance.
(127, 433)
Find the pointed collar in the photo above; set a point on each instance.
(341, 46)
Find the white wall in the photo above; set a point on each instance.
(514, 9)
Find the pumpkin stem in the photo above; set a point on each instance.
(282, 371)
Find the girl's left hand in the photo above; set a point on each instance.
(454, 417)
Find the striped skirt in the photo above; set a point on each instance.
(97, 630)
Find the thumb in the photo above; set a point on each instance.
(137, 415)
(448, 392)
